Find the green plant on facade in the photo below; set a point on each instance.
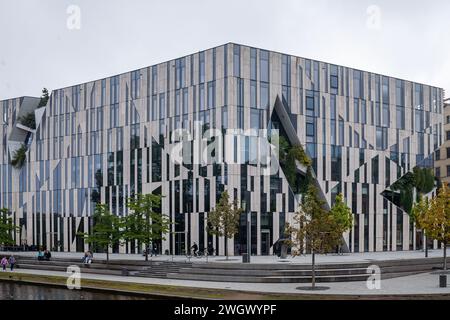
(288, 157)
(44, 98)
(28, 120)
(421, 179)
(19, 157)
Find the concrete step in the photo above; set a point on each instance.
(264, 273)
(269, 279)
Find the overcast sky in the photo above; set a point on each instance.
(45, 42)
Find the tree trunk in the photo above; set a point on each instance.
(226, 247)
(445, 255)
(313, 279)
(426, 246)
(146, 252)
(107, 254)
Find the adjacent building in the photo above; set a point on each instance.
(443, 154)
(106, 140)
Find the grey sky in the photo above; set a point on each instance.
(37, 49)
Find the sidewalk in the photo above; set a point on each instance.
(330, 258)
(424, 283)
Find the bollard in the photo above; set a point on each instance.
(442, 281)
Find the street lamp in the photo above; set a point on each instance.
(249, 231)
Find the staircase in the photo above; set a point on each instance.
(160, 269)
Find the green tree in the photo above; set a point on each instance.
(223, 221)
(435, 218)
(106, 231)
(19, 157)
(44, 98)
(143, 223)
(316, 229)
(342, 215)
(7, 227)
(28, 120)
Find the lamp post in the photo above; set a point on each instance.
(249, 229)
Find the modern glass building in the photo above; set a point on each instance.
(105, 140)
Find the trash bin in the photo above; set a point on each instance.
(245, 258)
(284, 249)
(442, 281)
(125, 272)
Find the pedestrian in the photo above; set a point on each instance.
(12, 262)
(194, 248)
(4, 263)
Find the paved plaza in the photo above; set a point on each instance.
(425, 283)
(419, 284)
(304, 259)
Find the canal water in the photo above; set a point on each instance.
(18, 291)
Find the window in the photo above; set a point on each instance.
(236, 60)
(103, 92)
(448, 135)
(154, 80)
(185, 101)
(418, 96)
(448, 153)
(114, 90)
(385, 90)
(253, 64)
(253, 94)
(386, 116)
(201, 98)
(310, 129)
(211, 94)
(285, 70)
(333, 107)
(264, 66)
(448, 171)
(341, 131)
(201, 68)
(135, 84)
(363, 112)
(114, 115)
(310, 106)
(400, 92)
(438, 172)
(308, 68)
(382, 138)
(264, 92)
(240, 92)
(358, 84)
(162, 106)
(334, 79)
(356, 111)
(400, 117)
(255, 117)
(180, 72)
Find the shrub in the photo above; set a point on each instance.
(19, 158)
(28, 120)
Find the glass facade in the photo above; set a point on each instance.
(107, 140)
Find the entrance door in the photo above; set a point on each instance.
(265, 242)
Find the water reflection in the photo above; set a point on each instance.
(14, 291)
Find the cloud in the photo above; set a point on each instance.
(116, 36)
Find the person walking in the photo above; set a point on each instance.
(12, 262)
(4, 263)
